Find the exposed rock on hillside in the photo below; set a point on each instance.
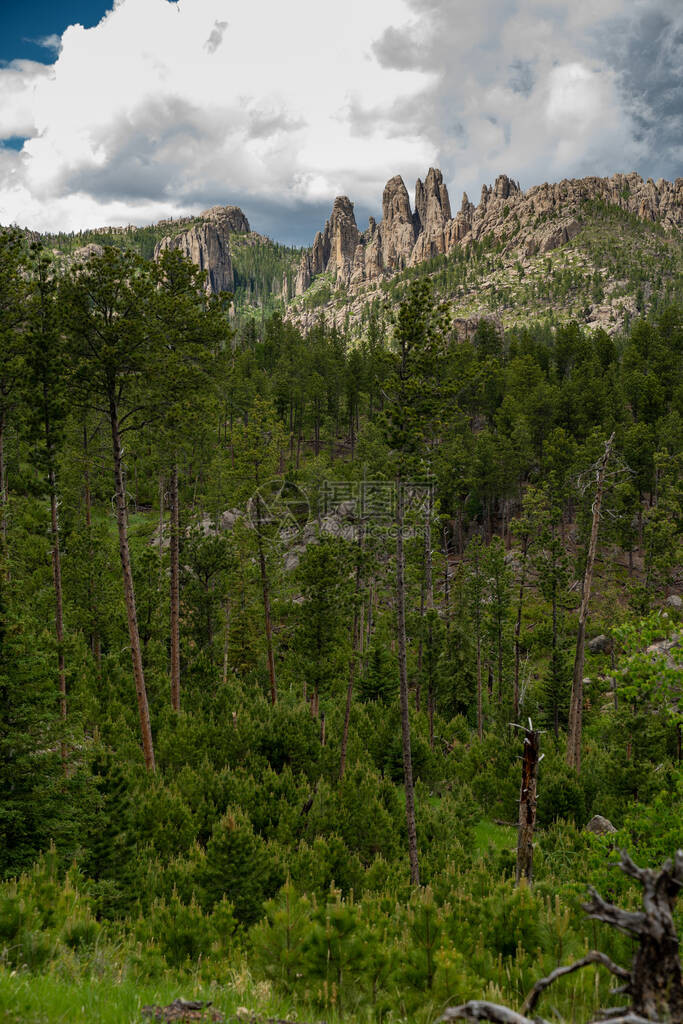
(600, 826)
(536, 221)
(207, 245)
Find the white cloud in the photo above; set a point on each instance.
(164, 108)
(18, 84)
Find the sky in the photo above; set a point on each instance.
(127, 111)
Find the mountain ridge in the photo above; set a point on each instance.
(543, 217)
(574, 230)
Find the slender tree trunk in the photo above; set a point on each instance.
(162, 490)
(129, 591)
(403, 686)
(499, 641)
(266, 602)
(59, 605)
(93, 604)
(420, 648)
(174, 501)
(226, 642)
(480, 693)
(356, 642)
(352, 434)
(553, 653)
(518, 630)
(371, 606)
(446, 582)
(576, 706)
(429, 606)
(3, 481)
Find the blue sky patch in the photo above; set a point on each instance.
(15, 142)
(24, 26)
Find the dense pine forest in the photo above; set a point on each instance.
(276, 609)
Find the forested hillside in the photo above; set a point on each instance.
(616, 268)
(273, 606)
(264, 270)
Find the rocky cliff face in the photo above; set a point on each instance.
(207, 244)
(536, 221)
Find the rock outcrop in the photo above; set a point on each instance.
(432, 217)
(536, 221)
(600, 826)
(207, 244)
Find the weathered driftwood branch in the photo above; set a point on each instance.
(654, 983)
(594, 957)
(628, 1018)
(481, 1010)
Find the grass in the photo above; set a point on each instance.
(499, 837)
(49, 998)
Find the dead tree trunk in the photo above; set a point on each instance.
(576, 705)
(655, 984)
(527, 806)
(654, 981)
(518, 627)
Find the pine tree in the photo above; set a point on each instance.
(12, 315)
(258, 446)
(45, 393)
(106, 309)
(193, 328)
(412, 406)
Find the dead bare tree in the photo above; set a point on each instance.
(653, 983)
(527, 805)
(576, 705)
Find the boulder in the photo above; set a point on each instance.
(601, 645)
(87, 251)
(600, 826)
(229, 518)
(674, 601)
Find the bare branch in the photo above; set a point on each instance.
(633, 922)
(630, 1018)
(630, 868)
(594, 957)
(477, 1009)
